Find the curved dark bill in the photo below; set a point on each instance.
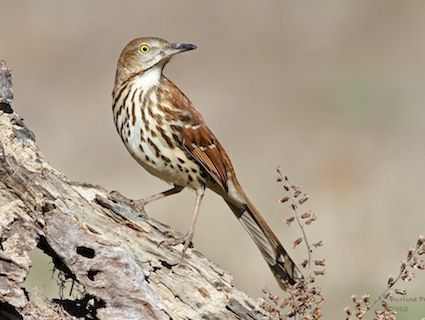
(183, 46)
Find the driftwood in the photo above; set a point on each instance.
(98, 240)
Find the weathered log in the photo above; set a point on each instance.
(98, 240)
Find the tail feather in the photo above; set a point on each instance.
(283, 267)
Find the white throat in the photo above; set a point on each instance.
(150, 78)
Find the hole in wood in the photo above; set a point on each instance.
(86, 252)
(92, 273)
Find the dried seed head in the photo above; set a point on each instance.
(307, 214)
(391, 280)
(400, 292)
(305, 263)
(309, 221)
(420, 241)
(291, 314)
(386, 307)
(283, 199)
(296, 188)
(347, 312)
(319, 272)
(318, 244)
(320, 263)
(304, 198)
(360, 314)
(289, 220)
(297, 242)
(407, 276)
(388, 294)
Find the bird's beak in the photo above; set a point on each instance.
(175, 48)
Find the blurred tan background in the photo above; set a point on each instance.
(332, 91)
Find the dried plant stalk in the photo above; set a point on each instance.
(304, 298)
(363, 307)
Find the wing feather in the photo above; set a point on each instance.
(196, 138)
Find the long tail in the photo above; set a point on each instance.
(283, 267)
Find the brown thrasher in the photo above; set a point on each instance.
(164, 132)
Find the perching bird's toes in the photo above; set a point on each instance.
(186, 240)
(139, 205)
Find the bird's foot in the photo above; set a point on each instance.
(139, 205)
(186, 240)
(136, 204)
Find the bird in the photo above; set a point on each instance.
(167, 136)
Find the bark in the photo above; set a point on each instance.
(97, 240)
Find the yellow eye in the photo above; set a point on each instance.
(144, 48)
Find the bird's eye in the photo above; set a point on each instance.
(144, 48)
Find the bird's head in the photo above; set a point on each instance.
(143, 54)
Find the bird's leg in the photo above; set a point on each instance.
(187, 238)
(140, 204)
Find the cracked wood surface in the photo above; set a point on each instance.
(101, 242)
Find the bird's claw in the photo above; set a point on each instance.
(116, 196)
(136, 204)
(139, 205)
(186, 240)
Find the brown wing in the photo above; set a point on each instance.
(196, 137)
(204, 147)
